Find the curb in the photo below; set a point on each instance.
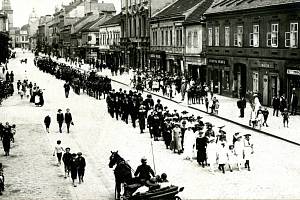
(219, 117)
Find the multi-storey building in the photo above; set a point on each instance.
(109, 42)
(3, 37)
(253, 47)
(22, 39)
(43, 34)
(176, 38)
(33, 22)
(135, 31)
(6, 8)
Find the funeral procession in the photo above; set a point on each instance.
(149, 99)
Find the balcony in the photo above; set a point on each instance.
(254, 52)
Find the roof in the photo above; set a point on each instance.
(98, 22)
(70, 7)
(106, 7)
(25, 27)
(178, 8)
(84, 22)
(197, 14)
(114, 20)
(220, 6)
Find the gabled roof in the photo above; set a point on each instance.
(84, 22)
(25, 27)
(220, 6)
(99, 21)
(70, 7)
(106, 7)
(178, 8)
(114, 20)
(197, 14)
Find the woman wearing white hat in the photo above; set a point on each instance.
(189, 143)
(211, 152)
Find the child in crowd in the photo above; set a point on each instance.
(58, 150)
(222, 157)
(285, 116)
(259, 119)
(67, 157)
(266, 115)
(231, 157)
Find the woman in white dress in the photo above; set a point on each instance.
(248, 150)
(222, 156)
(211, 152)
(189, 143)
(239, 151)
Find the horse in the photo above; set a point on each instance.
(122, 171)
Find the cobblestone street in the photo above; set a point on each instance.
(31, 172)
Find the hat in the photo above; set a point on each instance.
(220, 127)
(68, 148)
(79, 153)
(73, 154)
(247, 134)
(59, 110)
(198, 117)
(184, 112)
(143, 159)
(68, 109)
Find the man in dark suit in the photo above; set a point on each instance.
(67, 89)
(68, 119)
(242, 105)
(276, 105)
(60, 119)
(294, 102)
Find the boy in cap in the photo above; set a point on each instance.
(60, 119)
(81, 166)
(67, 157)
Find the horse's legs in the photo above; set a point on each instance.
(118, 190)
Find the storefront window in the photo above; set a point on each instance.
(226, 85)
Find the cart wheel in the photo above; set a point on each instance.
(177, 198)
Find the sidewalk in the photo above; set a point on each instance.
(228, 110)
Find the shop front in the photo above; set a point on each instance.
(293, 82)
(218, 73)
(195, 68)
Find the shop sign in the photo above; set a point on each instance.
(293, 72)
(266, 65)
(217, 61)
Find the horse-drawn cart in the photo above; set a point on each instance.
(164, 193)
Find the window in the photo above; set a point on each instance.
(167, 38)
(287, 39)
(235, 40)
(269, 39)
(294, 35)
(180, 37)
(240, 36)
(255, 35)
(171, 38)
(255, 82)
(210, 36)
(162, 38)
(189, 42)
(217, 38)
(89, 38)
(227, 36)
(195, 42)
(274, 35)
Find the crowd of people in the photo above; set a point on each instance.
(90, 83)
(6, 84)
(182, 133)
(74, 163)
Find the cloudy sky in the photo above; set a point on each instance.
(22, 8)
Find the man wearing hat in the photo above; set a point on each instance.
(144, 171)
(81, 166)
(68, 119)
(142, 116)
(60, 119)
(47, 122)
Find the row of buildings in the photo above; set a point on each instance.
(6, 23)
(237, 47)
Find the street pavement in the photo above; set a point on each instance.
(228, 109)
(275, 166)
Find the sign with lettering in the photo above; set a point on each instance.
(293, 72)
(217, 61)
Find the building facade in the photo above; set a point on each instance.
(253, 47)
(135, 30)
(4, 37)
(109, 42)
(176, 38)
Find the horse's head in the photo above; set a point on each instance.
(114, 159)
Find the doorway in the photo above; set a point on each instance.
(240, 76)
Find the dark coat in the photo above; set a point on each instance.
(60, 117)
(68, 118)
(47, 120)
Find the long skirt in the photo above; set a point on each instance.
(201, 155)
(6, 144)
